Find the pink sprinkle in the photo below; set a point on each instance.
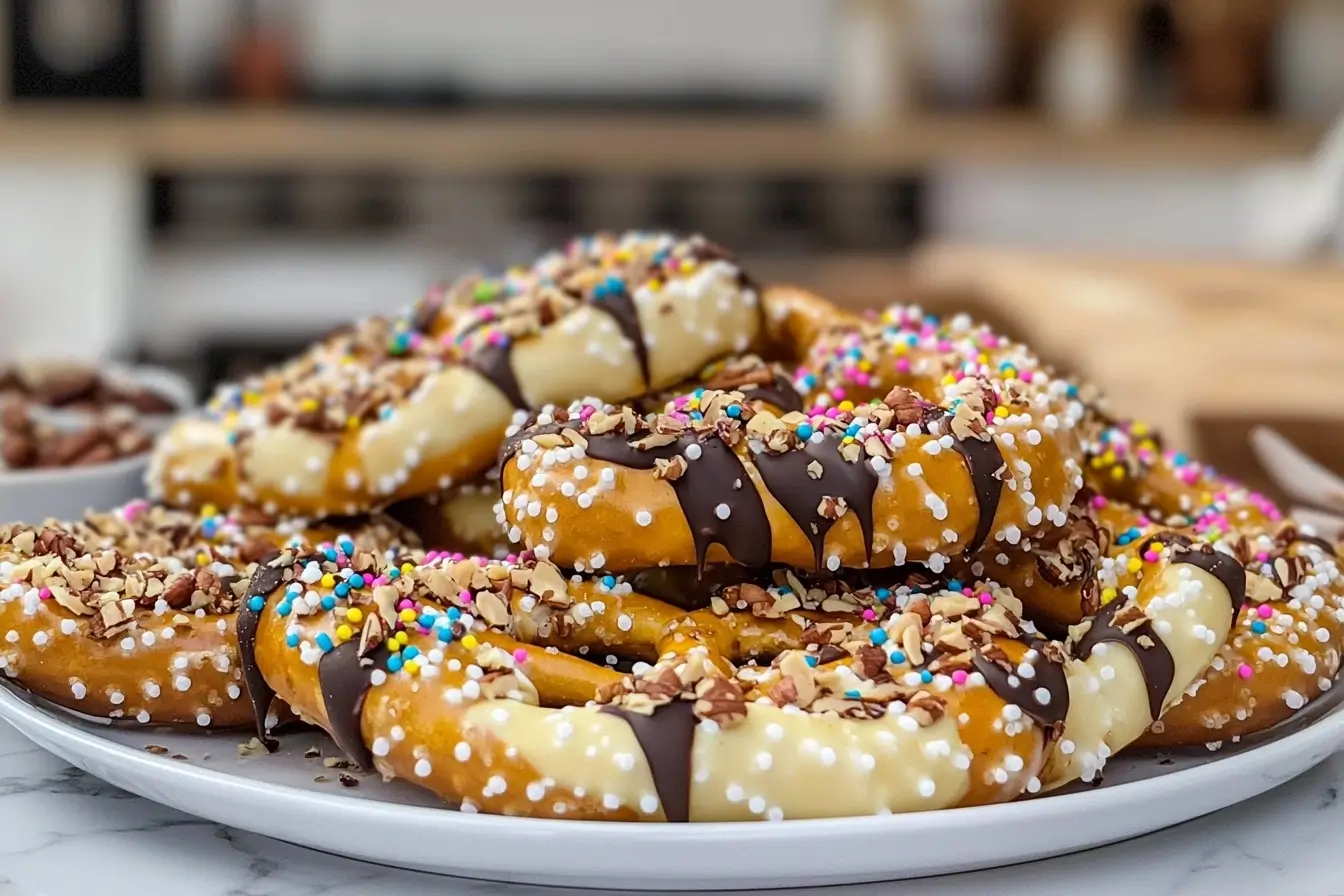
(405, 604)
(968, 591)
(511, 558)
(465, 597)
(1264, 611)
(381, 580)
(986, 599)
(520, 655)
(959, 676)
(1098, 501)
(903, 365)
(869, 615)
(1151, 556)
(1263, 556)
(1245, 671)
(838, 393)
(44, 593)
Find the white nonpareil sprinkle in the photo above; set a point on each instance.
(423, 768)
(723, 511)
(462, 752)
(644, 518)
(381, 746)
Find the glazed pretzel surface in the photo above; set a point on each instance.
(359, 421)
(130, 614)
(597, 487)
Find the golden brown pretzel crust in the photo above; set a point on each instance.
(130, 614)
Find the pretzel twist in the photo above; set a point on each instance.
(130, 614)
(721, 480)
(359, 421)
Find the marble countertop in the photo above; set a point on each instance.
(64, 832)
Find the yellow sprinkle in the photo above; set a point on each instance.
(308, 404)
(1134, 565)
(846, 440)
(202, 559)
(1139, 429)
(949, 380)
(355, 615)
(1107, 595)
(655, 285)
(401, 637)
(622, 254)
(1108, 457)
(411, 666)
(1097, 463)
(407, 568)
(344, 632)
(846, 405)
(900, 348)
(982, 358)
(693, 404)
(1117, 473)
(687, 265)
(407, 616)
(352, 423)
(250, 398)
(393, 644)
(1000, 411)
(328, 581)
(470, 642)
(865, 365)
(209, 510)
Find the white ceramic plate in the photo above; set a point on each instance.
(396, 824)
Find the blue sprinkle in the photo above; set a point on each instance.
(385, 412)
(926, 676)
(328, 603)
(256, 603)
(410, 653)
(1072, 391)
(342, 589)
(209, 528)
(445, 635)
(805, 432)
(883, 594)
(897, 657)
(810, 381)
(356, 581)
(811, 661)
(330, 554)
(954, 585)
(393, 573)
(608, 582)
(878, 637)
(852, 695)
(785, 589)
(346, 545)
(1180, 458)
(426, 621)
(734, 410)
(454, 614)
(284, 608)
(1258, 627)
(323, 641)
(394, 663)
(698, 393)
(292, 640)
(852, 430)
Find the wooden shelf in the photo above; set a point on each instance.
(189, 139)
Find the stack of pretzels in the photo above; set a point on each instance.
(687, 549)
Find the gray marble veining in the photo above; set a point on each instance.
(64, 832)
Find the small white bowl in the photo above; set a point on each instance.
(160, 380)
(33, 496)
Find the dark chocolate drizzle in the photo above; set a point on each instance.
(620, 306)
(495, 363)
(343, 676)
(666, 737)
(1155, 662)
(1223, 567)
(983, 460)
(779, 393)
(1021, 692)
(265, 579)
(715, 477)
(786, 476)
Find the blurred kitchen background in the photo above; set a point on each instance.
(1144, 188)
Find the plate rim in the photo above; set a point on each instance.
(1049, 807)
